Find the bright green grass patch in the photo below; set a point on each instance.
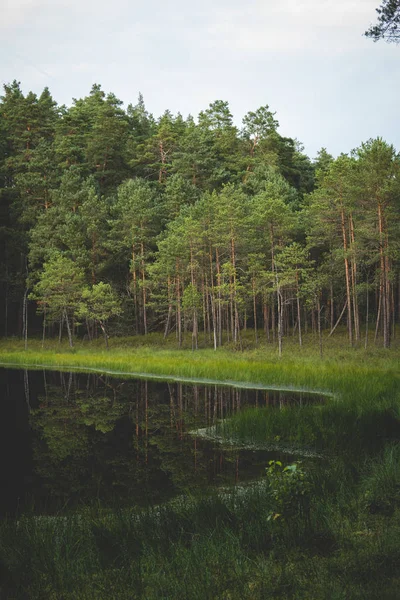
(353, 372)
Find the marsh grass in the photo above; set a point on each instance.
(360, 372)
(220, 546)
(333, 428)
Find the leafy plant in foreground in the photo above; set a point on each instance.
(290, 491)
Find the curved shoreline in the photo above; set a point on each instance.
(169, 378)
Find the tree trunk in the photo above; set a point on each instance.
(219, 298)
(6, 303)
(103, 328)
(354, 280)
(255, 311)
(319, 326)
(339, 319)
(366, 319)
(68, 328)
(44, 327)
(347, 275)
(194, 307)
(384, 280)
(178, 309)
(144, 290)
(25, 318)
(213, 321)
(135, 293)
(298, 309)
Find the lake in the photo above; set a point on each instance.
(71, 440)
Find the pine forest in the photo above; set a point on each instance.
(115, 222)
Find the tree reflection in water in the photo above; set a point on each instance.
(79, 439)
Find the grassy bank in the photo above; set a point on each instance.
(355, 370)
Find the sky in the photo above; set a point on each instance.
(307, 59)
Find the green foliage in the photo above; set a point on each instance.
(381, 481)
(289, 488)
(161, 207)
(99, 304)
(387, 27)
(59, 288)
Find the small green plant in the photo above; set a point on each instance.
(289, 490)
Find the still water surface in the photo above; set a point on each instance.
(72, 439)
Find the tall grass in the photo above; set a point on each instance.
(223, 546)
(354, 371)
(336, 427)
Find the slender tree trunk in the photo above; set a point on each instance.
(255, 311)
(206, 314)
(144, 290)
(68, 328)
(279, 297)
(213, 321)
(339, 319)
(178, 308)
(392, 310)
(238, 334)
(60, 328)
(319, 325)
(378, 315)
(366, 318)
(166, 330)
(266, 320)
(347, 274)
(194, 307)
(212, 300)
(219, 297)
(25, 318)
(280, 321)
(6, 302)
(103, 328)
(234, 310)
(88, 329)
(44, 327)
(384, 281)
(135, 293)
(298, 309)
(354, 280)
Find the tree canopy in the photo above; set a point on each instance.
(119, 221)
(388, 26)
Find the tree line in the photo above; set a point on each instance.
(112, 219)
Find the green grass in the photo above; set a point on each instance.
(225, 546)
(352, 369)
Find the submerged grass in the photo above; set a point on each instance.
(326, 529)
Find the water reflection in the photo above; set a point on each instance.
(81, 438)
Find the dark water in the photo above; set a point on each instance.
(71, 439)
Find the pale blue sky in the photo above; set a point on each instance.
(307, 59)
